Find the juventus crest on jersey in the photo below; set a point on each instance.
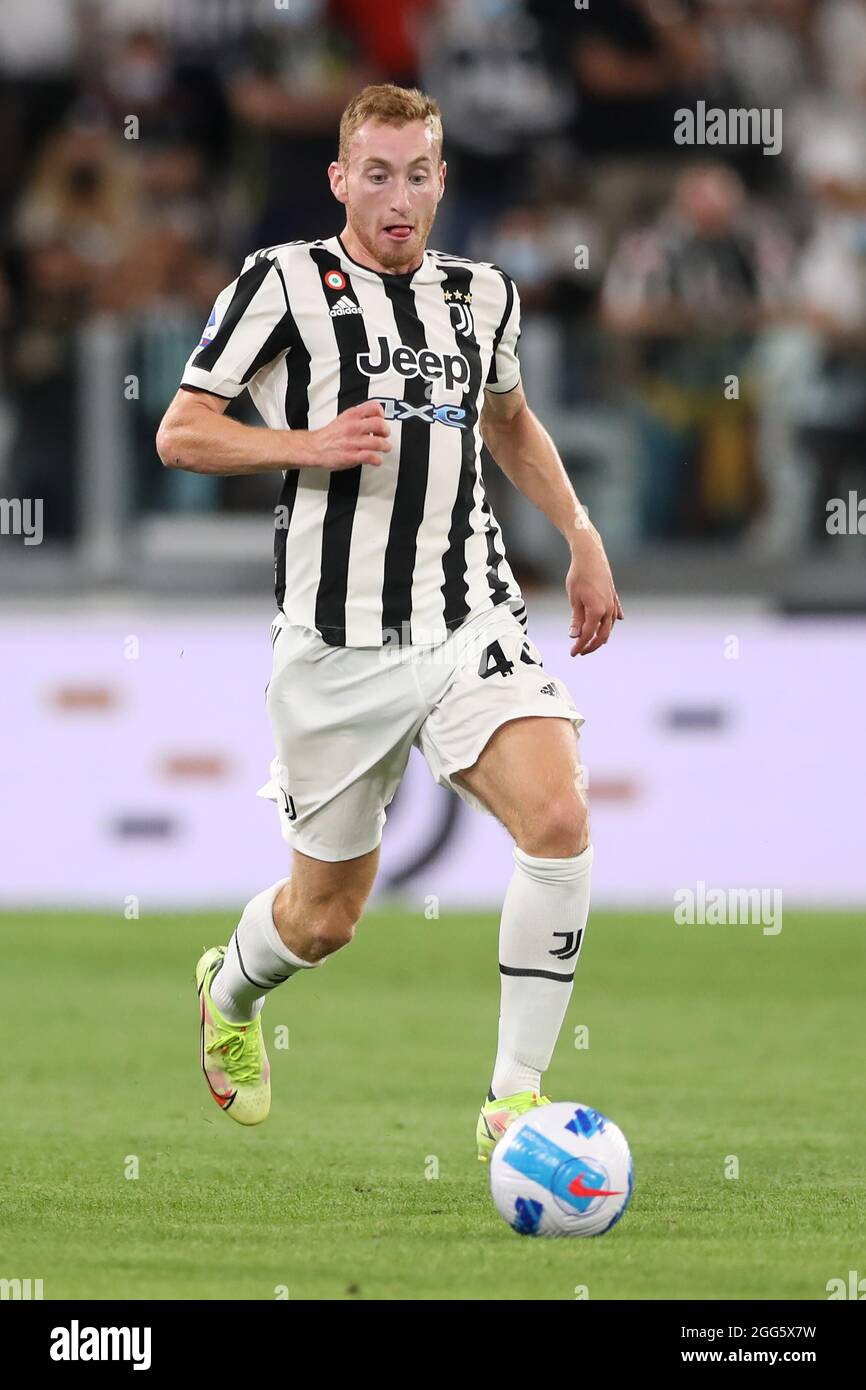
(402, 553)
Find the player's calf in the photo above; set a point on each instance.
(257, 960)
(317, 910)
(318, 927)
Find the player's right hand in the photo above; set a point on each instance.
(358, 435)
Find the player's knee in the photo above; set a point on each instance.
(559, 828)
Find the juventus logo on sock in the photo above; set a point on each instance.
(570, 946)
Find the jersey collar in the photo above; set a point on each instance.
(426, 273)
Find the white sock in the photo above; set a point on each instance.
(540, 936)
(256, 961)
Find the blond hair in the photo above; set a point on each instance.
(392, 105)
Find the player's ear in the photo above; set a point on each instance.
(337, 180)
(443, 170)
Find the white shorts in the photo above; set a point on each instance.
(346, 718)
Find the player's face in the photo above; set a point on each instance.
(391, 189)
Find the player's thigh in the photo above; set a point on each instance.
(343, 722)
(501, 734)
(528, 775)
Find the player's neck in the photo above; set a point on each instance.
(358, 252)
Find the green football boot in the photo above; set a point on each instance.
(497, 1115)
(233, 1056)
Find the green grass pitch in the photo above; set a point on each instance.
(704, 1042)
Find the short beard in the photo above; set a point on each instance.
(386, 255)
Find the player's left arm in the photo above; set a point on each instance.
(527, 455)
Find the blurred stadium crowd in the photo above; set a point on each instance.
(651, 273)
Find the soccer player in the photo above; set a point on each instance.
(384, 372)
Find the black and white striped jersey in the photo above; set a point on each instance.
(402, 553)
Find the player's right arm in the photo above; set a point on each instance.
(251, 328)
(196, 435)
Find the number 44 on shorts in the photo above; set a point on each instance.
(494, 661)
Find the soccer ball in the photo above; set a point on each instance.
(562, 1170)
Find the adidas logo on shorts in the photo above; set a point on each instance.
(345, 306)
(549, 689)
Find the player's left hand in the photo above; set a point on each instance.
(595, 604)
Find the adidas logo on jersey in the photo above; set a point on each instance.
(345, 306)
(549, 689)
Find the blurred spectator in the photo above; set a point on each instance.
(98, 231)
(840, 39)
(551, 242)
(74, 234)
(174, 101)
(762, 47)
(766, 52)
(101, 228)
(831, 303)
(501, 103)
(690, 293)
(386, 34)
(38, 47)
(827, 120)
(38, 39)
(635, 61)
(6, 415)
(77, 219)
(536, 242)
(288, 91)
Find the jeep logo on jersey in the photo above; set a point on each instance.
(450, 368)
(429, 413)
